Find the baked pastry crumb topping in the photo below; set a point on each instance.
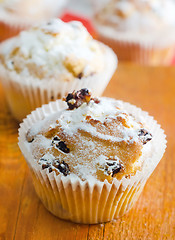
(144, 20)
(54, 50)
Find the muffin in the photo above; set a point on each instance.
(139, 31)
(16, 15)
(91, 158)
(49, 60)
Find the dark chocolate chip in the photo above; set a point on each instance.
(144, 135)
(71, 105)
(62, 146)
(80, 75)
(82, 93)
(45, 165)
(116, 169)
(55, 140)
(62, 167)
(76, 99)
(69, 97)
(110, 163)
(113, 167)
(31, 140)
(43, 159)
(50, 169)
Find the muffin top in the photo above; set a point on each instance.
(27, 10)
(91, 138)
(137, 16)
(54, 49)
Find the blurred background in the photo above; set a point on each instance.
(22, 215)
(152, 42)
(86, 11)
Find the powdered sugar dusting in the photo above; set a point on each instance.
(106, 110)
(97, 140)
(146, 20)
(25, 11)
(54, 49)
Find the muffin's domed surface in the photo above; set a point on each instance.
(54, 49)
(92, 138)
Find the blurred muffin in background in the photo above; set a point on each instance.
(16, 15)
(47, 61)
(142, 31)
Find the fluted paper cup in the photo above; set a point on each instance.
(12, 23)
(25, 94)
(90, 201)
(138, 51)
(148, 47)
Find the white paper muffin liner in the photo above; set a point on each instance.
(138, 51)
(90, 201)
(11, 24)
(26, 94)
(152, 46)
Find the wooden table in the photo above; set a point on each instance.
(22, 216)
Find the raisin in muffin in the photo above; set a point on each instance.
(16, 15)
(49, 60)
(90, 160)
(140, 31)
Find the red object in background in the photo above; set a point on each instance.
(173, 62)
(68, 16)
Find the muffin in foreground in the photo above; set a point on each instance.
(139, 31)
(91, 159)
(17, 15)
(49, 60)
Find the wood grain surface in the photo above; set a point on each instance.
(22, 215)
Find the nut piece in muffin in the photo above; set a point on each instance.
(93, 138)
